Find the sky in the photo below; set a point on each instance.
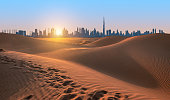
(119, 14)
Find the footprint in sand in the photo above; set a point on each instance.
(53, 69)
(75, 85)
(69, 90)
(65, 83)
(96, 95)
(28, 97)
(65, 77)
(51, 84)
(67, 96)
(84, 89)
(58, 86)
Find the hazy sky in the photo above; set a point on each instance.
(119, 14)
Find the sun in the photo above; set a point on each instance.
(59, 32)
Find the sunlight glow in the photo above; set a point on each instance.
(58, 32)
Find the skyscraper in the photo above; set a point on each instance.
(103, 26)
(155, 30)
(65, 32)
(44, 33)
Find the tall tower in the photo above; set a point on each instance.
(155, 30)
(103, 26)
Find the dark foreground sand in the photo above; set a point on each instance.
(22, 79)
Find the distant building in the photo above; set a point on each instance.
(65, 33)
(147, 32)
(121, 34)
(155, 30)
(35, 34)
(53, 31)
(103, 27)
(138, 33)
(94, 32)
(40, 34)
(36, 31)
(21, 32)
(44, 33)
(117, 33)
(161, 31)
(109, 32)
(82, 32)
(113, 33)
(127, 33)
(87, 33)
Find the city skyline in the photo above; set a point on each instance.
(82, 32)
(132, 15)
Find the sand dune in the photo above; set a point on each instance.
(73, 40)
(138, 63)
(89, 44)
(106, 41)
(142, 61)
(33, 45)
(11, 80)
(25, 79)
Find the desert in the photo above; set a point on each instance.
(109, 68)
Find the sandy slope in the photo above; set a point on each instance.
(33, 46)
(139, 64)
(142, 61)
(106, 41)
(90, 43)
(36, 78)
(11, 78)
(73, 40)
